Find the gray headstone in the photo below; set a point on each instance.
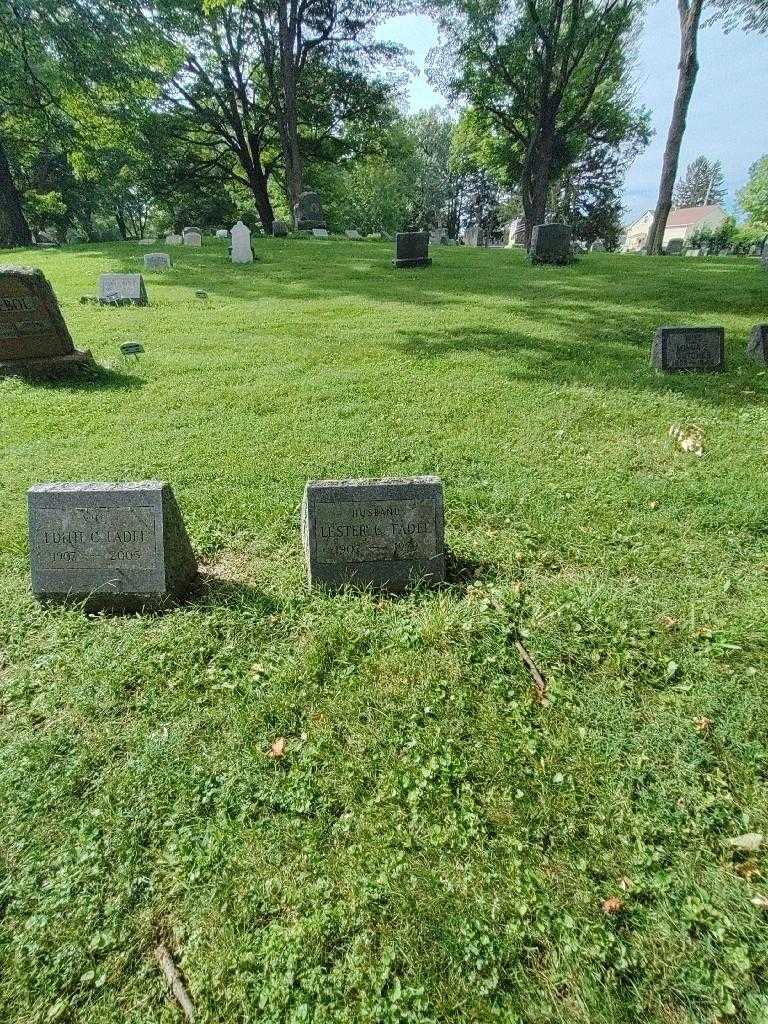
(381, 533)
(757, 347)
(551, 243)
(192, 238)
(352, 233)
(241, 243)
(319, 233)
(222, 233)
(597, 246)
(34, 339)
(691, 252)
(677, 349)
(172, 239)
(279, 229)
(412, 249)
(109, 545)
(308, 213)
(157, 261)
(122, 290)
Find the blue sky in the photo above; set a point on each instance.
(728, 116)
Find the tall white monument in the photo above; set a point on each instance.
(241, 244)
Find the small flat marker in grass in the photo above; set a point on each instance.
(132, 348)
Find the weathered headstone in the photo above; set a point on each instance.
(551, 243)
(597, 246)
(381, 533)
(308, 213)
(122, 290)
(279, 229)
(172, 239)
(192, 237)
(757, 347)
(157, 261)
(222, 233)
(34, 339)
(107, 544)
(674, 247)
(412, 249)
(352, 233)
(691, 252)
(241, 244)
(676, 349)
(147, 241)
(319, 233)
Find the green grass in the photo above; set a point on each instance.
(435, 845)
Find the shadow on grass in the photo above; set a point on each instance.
(213, 590)
(95, 378)
(462, 570)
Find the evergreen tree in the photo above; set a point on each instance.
(703, 184)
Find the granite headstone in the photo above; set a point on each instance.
(34, 339)
(412, 249)
(109, 544)
(551, 243)
(308, 213)
(122, 290)
(676, 349)
(173, 239)
(157, 261)
(381, 533)
(279, 229)
(757, 347)
(352, 233)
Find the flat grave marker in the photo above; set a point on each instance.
(412, 249)
(319, 233)
(109, 544)
(122, 290)
(352, 233)
(384, 533)
(34, 339)
(677, 349)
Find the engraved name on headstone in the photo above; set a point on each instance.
(109, 543)
(412, 249)
(676, 349)
(122, 290)
(381, 533)
(34, 339)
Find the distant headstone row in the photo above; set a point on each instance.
(125, 545)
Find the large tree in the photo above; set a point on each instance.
(751, 15)
(702, 184)
(754, 196)
(549, 75)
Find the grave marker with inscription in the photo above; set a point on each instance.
(192, 237)
(757, 347)
(34, 339)
(381, 533)
(173, 239)
(122, 290)
(241, 243)
(412, 249)
(676, 349)
(120, 545)
(157, 261)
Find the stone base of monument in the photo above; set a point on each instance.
(119, 546)
(680, 349)
(48, 367)
(425, 261)
(385, 534)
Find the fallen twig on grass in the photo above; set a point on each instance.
(175, 981)
(539, 682)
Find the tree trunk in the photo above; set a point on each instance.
(257, 182)
(535, 177)
(289, 113)
(14, 229)
(122, 227)
(690, 15)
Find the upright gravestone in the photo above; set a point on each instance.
(241, 244)
(352, 233)
(675, 247)
(105, 544)
(597, 246)
(192, 237)
(279, 229)
(757, 347)
(172, 239)
(222, 233)
(551, 243)
(34, 339)
(412, 249)
(319, 233)
(381, 533)
(308, 213)
(122, 290)
(676, 349)
(157, 261)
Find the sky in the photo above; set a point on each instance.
(727, 118)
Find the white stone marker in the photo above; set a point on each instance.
(241, 244)
(352, 233)
(222, 233)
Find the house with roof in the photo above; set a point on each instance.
(682, 224)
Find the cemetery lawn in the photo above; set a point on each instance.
(437, 840)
